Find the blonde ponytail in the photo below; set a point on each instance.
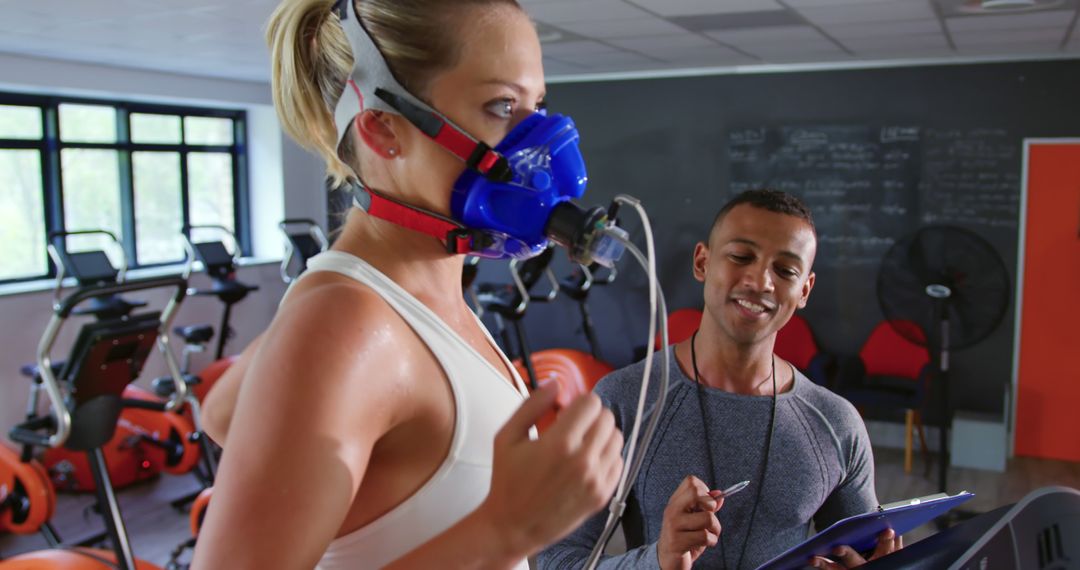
(310, 63)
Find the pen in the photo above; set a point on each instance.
(734, 489)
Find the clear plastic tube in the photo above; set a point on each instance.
(657, 311)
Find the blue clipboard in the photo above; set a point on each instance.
(861, 531)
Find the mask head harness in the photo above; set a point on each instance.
(509, 200)
(371, 85)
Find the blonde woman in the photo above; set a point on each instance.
(376, 424)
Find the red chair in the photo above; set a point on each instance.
(795, 343)
(891, 372)
(680, 325)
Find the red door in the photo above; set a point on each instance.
(1048, 368)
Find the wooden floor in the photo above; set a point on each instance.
(991, 489)
(156, 528)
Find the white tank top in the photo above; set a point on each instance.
(483, 401)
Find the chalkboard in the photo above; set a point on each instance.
(868, 185)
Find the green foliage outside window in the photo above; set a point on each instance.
(128, 172)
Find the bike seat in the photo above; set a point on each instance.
(195, 334)
(33, 371)
(166, 386)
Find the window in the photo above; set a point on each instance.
(143, 172)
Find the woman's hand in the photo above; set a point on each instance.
(543, 489)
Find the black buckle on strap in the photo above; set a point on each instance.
(478, 240)
(498, 172)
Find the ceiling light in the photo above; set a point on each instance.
(1003, 6)
(1007, 4)
(550, 36)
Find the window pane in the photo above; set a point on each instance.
(162, 129)
(22, 218)
(87, 123)
(20, 122)
(208, 130)
(91, 180)
(157, 207)
(210, 188)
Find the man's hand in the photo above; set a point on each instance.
(690, 525)
(846, 557)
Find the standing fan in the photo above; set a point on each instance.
(954, 285)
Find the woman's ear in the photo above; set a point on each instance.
(377, 132)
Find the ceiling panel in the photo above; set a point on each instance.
(701, 7)
(651, 43)
(29, 23)
(782, 34)
(612, 58)
(555, 66)
(1054, 18)
(884, 43)
(800, 4)
(885, 53)
(225, 39)
(563, 50)
(584, 11)
(710, 56)
(1008, 48)
(879, 29)
(808, 57)
(738, 21)
(623, 27)
(1045, 36)
(895, 10)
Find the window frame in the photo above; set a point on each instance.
(50, 147)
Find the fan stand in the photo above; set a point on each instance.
(940, 295)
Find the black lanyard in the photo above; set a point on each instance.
(712, 463)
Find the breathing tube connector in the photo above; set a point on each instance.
(585, 233)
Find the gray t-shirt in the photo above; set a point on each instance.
(820, 470)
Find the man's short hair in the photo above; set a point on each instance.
(766, 199)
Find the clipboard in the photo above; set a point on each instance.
(861, 531)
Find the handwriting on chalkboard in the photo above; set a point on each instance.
(899, 134)
(868, 186)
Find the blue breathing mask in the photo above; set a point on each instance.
(546, 169)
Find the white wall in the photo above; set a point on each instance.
(305, 175)
(285, 181)
(41, 75)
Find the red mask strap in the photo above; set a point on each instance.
(458, 238)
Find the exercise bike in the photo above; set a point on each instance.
(577, 286)
(304, 239)
(220, 266)
(575, 372)
(147, 442)
(86, 400)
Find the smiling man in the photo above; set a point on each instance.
(737, 412)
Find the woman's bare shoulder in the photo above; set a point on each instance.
(336, 334)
